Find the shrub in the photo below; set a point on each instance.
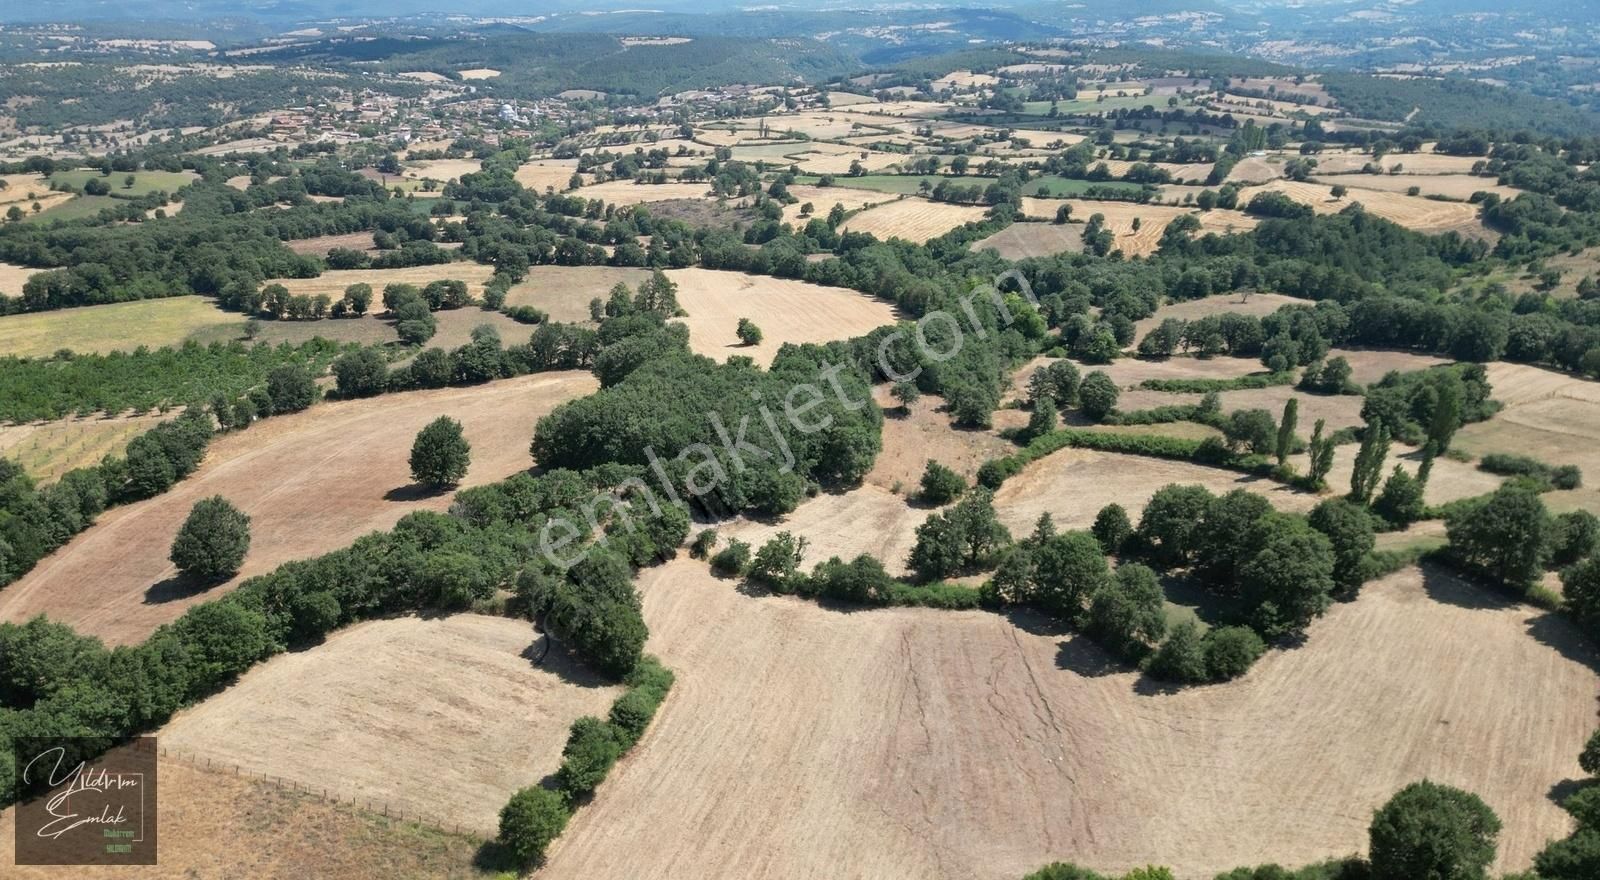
(1585, 807)
(1429, 830)
(862, 580)
(748, 332)
(530, 821)
(631, 713)
(213, 540)
(941, 485)
(733, 559)
(1576, 535)
(440, 454)
(1589, 758)
(1182, 657)
(593, 746)
(777, 563)
(1231, 651)
(1576, 858)
(703, 544)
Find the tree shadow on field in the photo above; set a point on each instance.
(1566, 788)
(494, 857)
(414, 492)
(1079, 654)
(1154, 687)
(178, 587)
(1444, 586)
(1557, 631)
(560, 662)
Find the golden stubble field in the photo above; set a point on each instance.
(444, 717)
(939, 744)
(311, 482)
(913, 219)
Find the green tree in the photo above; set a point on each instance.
(213, 540)
(1169, 520)
(1126, 615)
(360, 373)
(1575, 858)
(777, 563)
(530, 821)
(1067, 569)
(593, 746)
(906, 394)
(1349, 529)
(1321, 453)
(1433, 832)
(290, 388)
(1112, 528)
(1589, 758)
(1368, 468)
(1042, 421)
(1288, 581)
(440, 454)
(1097, 395)
(1401, 503)
(1231, 651)
(1181, 657)
(1286, 426)
(1446, 416)
(1505, 536)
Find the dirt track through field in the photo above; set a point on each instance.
(311, 482)
(937, 744)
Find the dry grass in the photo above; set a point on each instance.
(910, 439)
(46, 450)
(311, 482)
(441, 169)
(542, 174)
(114, 327)
(23, 190)
(333, 283)
(1021, 241)
(320, 245)
(445, 717)
(1256, 304)
(940, 744)
(1548, 415)
(564, 292)
(291, 836)
(1454, 186)
(823, 198)
(784, 309)
(478, 73)
(626, 192)
(835, 162)
(1412, 212)
(1368, 366)
(867, 520)
(12, 277)
(1153, 220)
(913, 219)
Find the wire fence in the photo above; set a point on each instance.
(324, 794)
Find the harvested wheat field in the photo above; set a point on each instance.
(321, 244)
(329, 839)
(784, 309)
(868, 519)
(1452, 186)
(542, 174)
(472, 73)
(334, 282)
(834, 162)
(1413, 212)
(626, 192)
(1153, 220)
(564, 292)
(1073, 484)
(910, 439)
(1340, 410)
(12, 277)
(915, 220)
(1451, 480)
(1129, 372)
(1550, 416)
(46, 450)
(1370, 365)
(823, 198)
(311, 482)
(1254, 169)
(112, 327)
(1255, 304)
(438, 717)
(938, 744)
(1021, 241)
(442, 169)
(23, 190)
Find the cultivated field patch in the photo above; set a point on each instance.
(1413, 212)
(1153, 220)
(1255, 304)
(869, 520)
(912, 219)
(1021, 241)
(542, 174)
(912, 742)
(112, 327)
(440, 716)
(564, 292)
(786, 311)
(311, 482)
(333, 282)
(46, 450)
(910, 439)
(626, 192)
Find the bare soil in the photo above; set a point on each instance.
(311, 482)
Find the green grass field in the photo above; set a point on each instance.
(77, 208)
(144, 182)
(1064, 187)
(115, 327)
